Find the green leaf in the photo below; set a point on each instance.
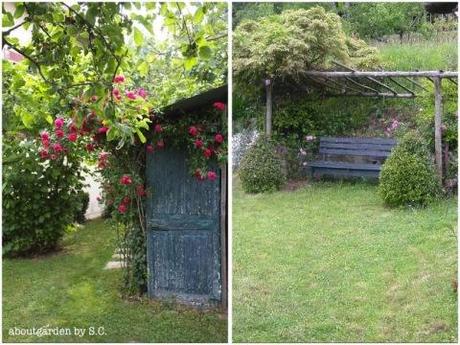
(199, 15)
(91, 14)
(27, 119)
(141, 136)
(143, 68)
(190, 62)
(138, 37)
(7, 20)
(49, 119)
(19, 10)
(205, 52)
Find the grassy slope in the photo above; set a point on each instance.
(420, 56)
(330, 263)
(71, 289)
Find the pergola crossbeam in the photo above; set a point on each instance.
(402, 86)
(382, 74)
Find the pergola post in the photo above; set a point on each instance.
(437, 125)
(268, 113)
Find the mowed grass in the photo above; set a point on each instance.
(70, 289)
(428, 55)
(330, 263)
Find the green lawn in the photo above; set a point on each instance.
(428, 55)
(71, 289)
(329, 262)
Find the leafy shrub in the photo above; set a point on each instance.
(83, 199)
(39, 199)
(408, 176)
(261, 169)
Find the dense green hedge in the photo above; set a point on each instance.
(40, 199)
(408, 176)
(261, 169)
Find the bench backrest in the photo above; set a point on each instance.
(355, 146)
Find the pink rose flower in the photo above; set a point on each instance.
(116, 94)
(131, 94)
(103, 130)
(158, 129)
(193, 131)
(161, 144)
(198, 143)
(219, 138)
(212, 175)
(142, 93)
(207, 153)
(126, 180)
(219, 106)
(149, 148)
(59, 122)
(58, 147)
(122, 208)
(119, 79)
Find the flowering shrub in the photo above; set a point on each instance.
(261, 169)
(40, 197)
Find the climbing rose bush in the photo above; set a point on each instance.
(202, 135)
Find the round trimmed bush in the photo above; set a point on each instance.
(261, 169)
(408, 176)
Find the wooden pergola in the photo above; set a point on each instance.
(346, 81)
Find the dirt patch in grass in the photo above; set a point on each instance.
(293, 185)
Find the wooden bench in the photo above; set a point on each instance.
(351, 157)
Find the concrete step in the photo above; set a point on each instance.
(114, 265)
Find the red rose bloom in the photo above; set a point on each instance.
(198, 175)
(219, 138)
(43, 154)
(193, 131)
(219, 106)
(122, 208)
(45, 139)
(72, 137)
(58, 147)
(126, 200)
(53, 156)
(102, 130)
(140, 191)
(59, 133)
(207, 153)
(44, 136)
(161, 144)
(73, 128)
(89, 147)
(212, 175)
(126, 180)
(158, 129)
(149, 148)
(93, 98)
(198, 143)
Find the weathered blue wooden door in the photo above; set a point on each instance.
(183, 224)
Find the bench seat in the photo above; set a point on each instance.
(351, 157)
